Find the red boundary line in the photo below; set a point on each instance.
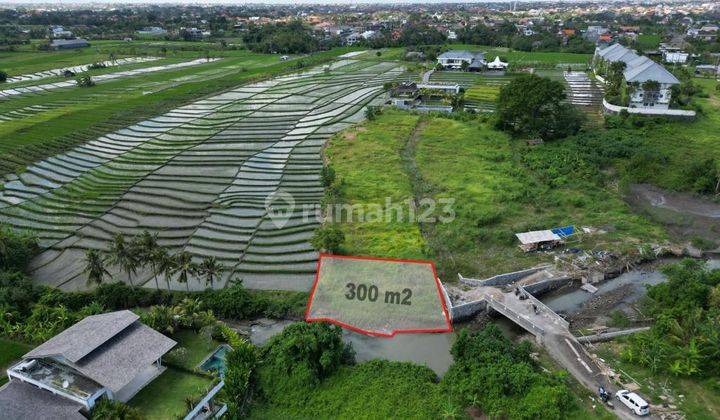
(375, 333)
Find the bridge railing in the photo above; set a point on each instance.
(543, 307)
(514, 316)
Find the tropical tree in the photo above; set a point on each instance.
(95, 266)
(124, 256)
(3, 76)
(164, 264)
(184, 267)
(147, 247)
(210, 269)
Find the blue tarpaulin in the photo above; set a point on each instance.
(564, 231)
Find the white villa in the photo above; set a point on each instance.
(111, 355)
(455, 60)
(639, 70)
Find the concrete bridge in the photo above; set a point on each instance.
(511, 295)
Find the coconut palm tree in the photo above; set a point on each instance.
(95, 267)
(184, 267)
(124, 256)
(164, 264)
(210, 269)
(147, 247)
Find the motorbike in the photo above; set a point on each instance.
(604, 396)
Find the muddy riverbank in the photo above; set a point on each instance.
(683, 214)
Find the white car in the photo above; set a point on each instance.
(634, 402)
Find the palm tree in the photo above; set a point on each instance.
(185, 267)
(95, 266)
(164, 264)
(210, 269)
(147, 247)
(124, 256)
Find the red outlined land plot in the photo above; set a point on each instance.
(378, 296)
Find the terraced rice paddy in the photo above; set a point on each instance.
(77, 69)
(200, 177)
(481, 89)
(8, 93)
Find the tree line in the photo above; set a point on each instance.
(143, 251)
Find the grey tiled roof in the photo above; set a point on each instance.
(638, 68)
(650, 70)
(121, 359)
(457, 55)
(22, 401)
(111, 349)
(82, 338)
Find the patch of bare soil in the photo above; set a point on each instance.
(599, 306)
(683, 214)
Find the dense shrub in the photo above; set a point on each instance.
(16, 248)
(241, 363)
(299, 358)
(328, 238)
(534, 106)
(114, 410)
(501, 379)
(685, 338)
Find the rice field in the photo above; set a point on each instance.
(201, 177)
(77, 69)
(13, 92)
(481, 90)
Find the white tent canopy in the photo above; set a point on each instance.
(497, 64)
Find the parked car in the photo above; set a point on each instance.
(284, 57)
(634, 402)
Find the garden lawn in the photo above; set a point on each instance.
(164, 398)
(701, 395)
(368, 163)
(198, 347)
(10, 351)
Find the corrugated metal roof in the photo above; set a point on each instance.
(537, 236)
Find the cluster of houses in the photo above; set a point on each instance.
(468, 61)
(638, 71)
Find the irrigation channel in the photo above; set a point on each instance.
(231, 176)
(433, 350)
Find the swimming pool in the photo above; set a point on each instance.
(216, 361)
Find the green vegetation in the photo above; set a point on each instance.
(10, 351)
(701, 399)
(368, 165)
(500, 187)
(684, 340)
(532, 106)
(73, 115)
(165, 396)
(115, 410)
(307, 372)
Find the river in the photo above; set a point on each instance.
(433, 350)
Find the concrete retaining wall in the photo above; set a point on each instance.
(502, 279)
(650, 112)
(545, 286)
(467, 310)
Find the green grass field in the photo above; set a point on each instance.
(495, 193)
(164, 398)
(369, 163)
